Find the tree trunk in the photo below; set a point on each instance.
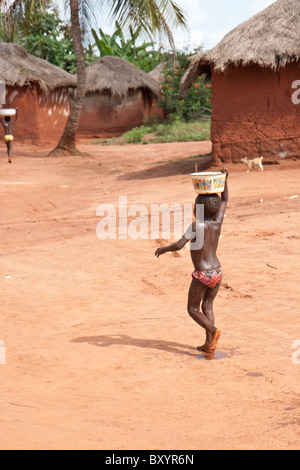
(67, 145)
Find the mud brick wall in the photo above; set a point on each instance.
(256, 112)
(41, 117)
(104, 115)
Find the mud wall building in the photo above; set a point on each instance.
(255, 76)
(119, 96)
(255, 112)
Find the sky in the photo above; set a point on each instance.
(208, 20)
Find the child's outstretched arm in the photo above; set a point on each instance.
(173, 247)
(189, 236)
(224, 199)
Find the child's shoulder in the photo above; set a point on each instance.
(193, 229)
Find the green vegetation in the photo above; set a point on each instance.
(136, 135)
(188, 118)
(117, 45)
(49, 39)
(183, 131)
(175, 131)
(43, 34)
(196, 104)
(36, 25)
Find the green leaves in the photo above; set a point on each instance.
(195, 105)
(116, 45)
(49, 40)
(107, 45)
(41, 32)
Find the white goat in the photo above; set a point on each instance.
(253, 162)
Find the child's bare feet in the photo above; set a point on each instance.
(204, 348)
(209, 348)
(214, 341)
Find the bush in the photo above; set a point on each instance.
(182, 131)
(195, 105)
(175, 131)
(135, 136)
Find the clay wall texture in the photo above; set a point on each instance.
(41, 118)
(110, 116)
(256, 112)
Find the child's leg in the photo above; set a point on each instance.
(9, 150)
(207, 309)
(196, 294)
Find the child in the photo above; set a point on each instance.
(208, 273)
(8, 137)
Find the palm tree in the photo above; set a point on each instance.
(150, 15)
(66, 145)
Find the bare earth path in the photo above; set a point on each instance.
(100, 352)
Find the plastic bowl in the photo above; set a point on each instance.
(7, 112)
(209, 182)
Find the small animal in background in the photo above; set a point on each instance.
(253, 162)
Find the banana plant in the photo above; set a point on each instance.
(117, 45)
(107, 45)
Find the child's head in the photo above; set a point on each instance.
(7, 118)
(211, 203)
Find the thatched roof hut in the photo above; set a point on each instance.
(256, 64)
(39, 90)
(116, 76)
(119, 96)
(269, 39)
(18, 68)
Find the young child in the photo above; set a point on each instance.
(207, 275)
(8, 137)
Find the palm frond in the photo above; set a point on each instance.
(173, 14)
(151, 16)
(87, 16)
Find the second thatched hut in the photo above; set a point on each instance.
(255, 73)
(119, 96)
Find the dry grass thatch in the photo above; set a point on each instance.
(117, 76)
(158, 73)
(18, 68)
(269, 39)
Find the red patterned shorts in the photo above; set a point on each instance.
(210, 278)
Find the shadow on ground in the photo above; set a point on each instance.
(180, 167)
(125, 340)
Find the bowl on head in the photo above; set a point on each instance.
(208, 182)
(7, 111)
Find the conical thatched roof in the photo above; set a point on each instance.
(270, 39)
(158, 73)
(18, 68)
(117, 76)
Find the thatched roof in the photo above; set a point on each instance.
(158, 73)
(117, 76)
(269, 39)
(18, 68)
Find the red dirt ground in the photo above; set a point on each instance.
(100, 351)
